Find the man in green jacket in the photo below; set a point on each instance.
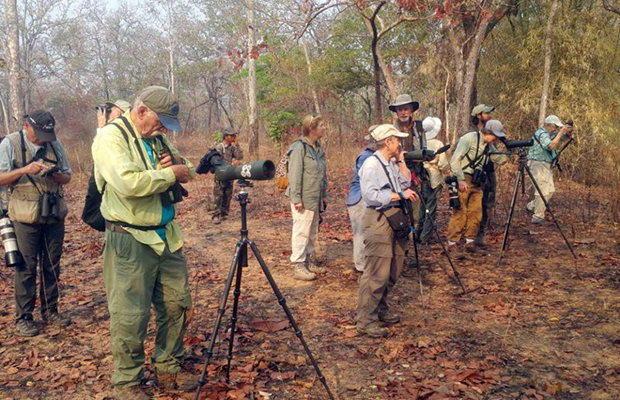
(143, 257)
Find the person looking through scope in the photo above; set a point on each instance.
(468, 162)
(540, 157)
(385, 182)
(108, 112)
(307, 190)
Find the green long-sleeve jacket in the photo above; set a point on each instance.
(307, 174)
(466, 150)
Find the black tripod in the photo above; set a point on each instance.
(240, 260)
(520, 179)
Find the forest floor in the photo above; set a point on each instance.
(530, 329)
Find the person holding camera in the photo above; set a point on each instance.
(230, 151)
(385, 182)
(540, 157)
(34, 165)
(307, 190)
(473, 151)
(108, 112)
(137, 169)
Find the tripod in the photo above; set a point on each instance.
(240, 260)
(520, 179)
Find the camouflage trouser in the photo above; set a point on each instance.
(222, 195)
(135, 278)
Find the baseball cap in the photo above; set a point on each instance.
(229, 132)
(369, 136)
(43, 124)
(495, 127)
(480, 108)
(122, 104)
(164, 103)
(385, 131)
(554, 120)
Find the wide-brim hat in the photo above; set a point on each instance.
(403, 100)
(385, 131)
(431, 126)
(43, 124)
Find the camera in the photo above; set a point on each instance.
(479, 177)
(12, 255)
(453, 192)
(49, 205)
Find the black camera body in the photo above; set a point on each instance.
(49, 205)
(453, 192)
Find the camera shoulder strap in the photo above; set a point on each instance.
(124, 133)
(387, 174)
(136, 140)
(477, 158)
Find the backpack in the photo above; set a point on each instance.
(91, 214)
(282, 180)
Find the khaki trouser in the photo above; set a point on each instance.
(305, 228)
(384, 257)
(543, 174)
(136, 277)
(468, 216)
(356, 215)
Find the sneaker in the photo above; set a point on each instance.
(538, 221)
(183, 380)
(530, 206)
(302, 273)
(313, 266)
(389, 318)
(372, 330)
(57, 320)
(130, 393)
(26, 327)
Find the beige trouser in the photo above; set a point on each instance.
(356, 215)
(468, 216)
(305, 228)
(543, 174)
(383, 262)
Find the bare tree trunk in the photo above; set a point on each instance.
(548, 53)
(253, 149)
(16, 100)
(376, 65)
(385, 66)
(317, 108)
(171, 54)
(5, 117)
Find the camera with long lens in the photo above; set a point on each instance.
(49, 205)
(453, 192)
(12, 255)
(212, 162)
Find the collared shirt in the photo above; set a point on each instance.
(355, 190)
(438, 165)
(412, 142)
(540, 149)
(470, 146)
(376, 188)
(7, 154)
(132, 190)
(229, 152)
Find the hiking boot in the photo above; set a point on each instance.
(373, 330)
(389, 318)
(57, 320)
(26, 327)
(182, 380)
(480, 242)
(130, 393)
(313, 266)
(302, 273)
(538, 221)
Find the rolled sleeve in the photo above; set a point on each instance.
(7, 155)
(461, 150)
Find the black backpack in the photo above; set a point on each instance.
(91, 214)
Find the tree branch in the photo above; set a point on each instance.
(609, 7)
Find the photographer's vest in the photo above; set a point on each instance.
(27, 191)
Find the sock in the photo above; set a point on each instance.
(467, 241)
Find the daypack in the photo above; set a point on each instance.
(282, 180)
(91, 214)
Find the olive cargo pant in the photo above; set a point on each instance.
(39, 244)
(468, 216)
(136, 277)
(384, 256)
(221, 198)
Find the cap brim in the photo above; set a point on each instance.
(415, 105)
(44, 136)
(559, 124)
(500, 134)
(400, 134)
(368, 138)
(489, 109)
(170, 123)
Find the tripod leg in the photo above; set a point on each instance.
(513, 203)
(218, 320)
(445, 250)
(550, 212)
(289, 315)
(242, 262)
(415, 249)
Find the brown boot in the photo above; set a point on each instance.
(130, 393)
(182, 380)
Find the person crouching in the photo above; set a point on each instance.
(384, 183)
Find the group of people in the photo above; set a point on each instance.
(136, 167)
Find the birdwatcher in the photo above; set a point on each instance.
(136, 167)
(473, 151)
(355, 205)
(34, 166)
(385, 182)
(230, 151)
(540, 157)
(108, 111)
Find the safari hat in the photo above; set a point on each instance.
(403, 100)
(431, 126)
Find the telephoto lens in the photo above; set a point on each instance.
(453, 192)
(12, 256)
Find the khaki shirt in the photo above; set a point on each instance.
(467, 150)
(439, 166)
